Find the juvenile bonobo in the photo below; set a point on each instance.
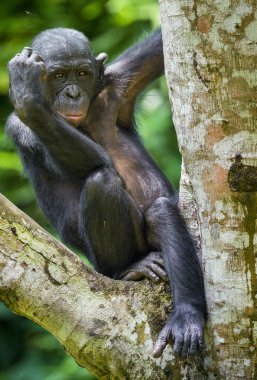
(74, 129)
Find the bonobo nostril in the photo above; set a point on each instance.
(73, 91)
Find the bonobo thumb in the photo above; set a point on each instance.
(160, 344)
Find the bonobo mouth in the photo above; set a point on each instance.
(73, 118)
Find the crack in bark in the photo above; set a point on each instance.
(199, 75)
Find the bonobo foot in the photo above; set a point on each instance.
(151, 267)
(185, 328)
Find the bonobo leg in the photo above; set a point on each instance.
(166, 231)
(111, 222)
(151, 266)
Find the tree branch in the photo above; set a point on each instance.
(108, 326)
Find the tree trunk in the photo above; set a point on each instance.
(211, 59)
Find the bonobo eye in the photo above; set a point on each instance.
(82, 73)
(59, 75)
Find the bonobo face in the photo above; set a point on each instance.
(70, 80)
(70, 85)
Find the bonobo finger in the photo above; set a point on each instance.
(131, 276)
(156, 257)
(26, 52)
(149, 273)
(161, 343)
(201, 341)
(160, 272)
(186, 345)
(36, 57)
(102, 57)
(194, 345)
(178, 345)
(159, 261)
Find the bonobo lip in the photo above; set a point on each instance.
(73, 118)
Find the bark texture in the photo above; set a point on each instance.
(211, 59)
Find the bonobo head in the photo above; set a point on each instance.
(72, 72)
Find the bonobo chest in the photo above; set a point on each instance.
(142, 178)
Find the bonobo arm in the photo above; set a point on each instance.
(72, 150)
(58, 193)
(134, 69)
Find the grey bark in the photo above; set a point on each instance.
(211, 58)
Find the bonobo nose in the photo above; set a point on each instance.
(73, 91)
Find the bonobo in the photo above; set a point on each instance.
(74, 129)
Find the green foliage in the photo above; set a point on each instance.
(26, 351)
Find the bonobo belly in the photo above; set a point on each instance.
(140, 182)
(142, 178)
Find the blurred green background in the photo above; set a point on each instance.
(27, 352)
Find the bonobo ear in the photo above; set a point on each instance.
(100, 60)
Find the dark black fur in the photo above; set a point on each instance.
(74, 129)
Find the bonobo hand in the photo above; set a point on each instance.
(26, 71)
(185, 328)
(151, 267)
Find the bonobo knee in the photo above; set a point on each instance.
(160, 219)
(160, 209)
(104, 180)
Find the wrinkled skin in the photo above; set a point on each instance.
(74, 129)
(151, 266)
